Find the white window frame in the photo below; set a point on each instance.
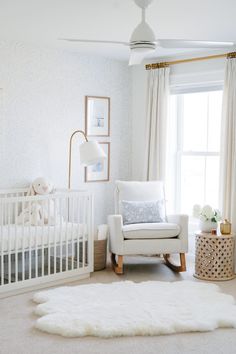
(180, 151)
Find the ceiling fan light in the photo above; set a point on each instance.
(136, 57)
(139, 51)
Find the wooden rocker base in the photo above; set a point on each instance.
(118, 267)
(174, 267)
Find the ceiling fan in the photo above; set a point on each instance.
(143, 40)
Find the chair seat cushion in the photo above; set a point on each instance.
(150, 231)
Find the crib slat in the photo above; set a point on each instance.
(72, 233)
(78, 232)
(23, 245)
(42, 237)
(36, 251)
(16, 242)
(49, 213)
(91, 232)
(9, 240)
(2, 244)
(60, 232)
(83, 229)
(54, 236)
(29, 238)
(66, 203)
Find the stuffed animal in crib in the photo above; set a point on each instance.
(39, 212)
(30, 215)
(40, 186)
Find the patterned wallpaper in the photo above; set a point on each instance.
(42, 103)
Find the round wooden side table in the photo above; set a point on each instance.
(214, 256)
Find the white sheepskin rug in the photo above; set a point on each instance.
(134, 309)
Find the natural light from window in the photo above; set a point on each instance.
(197, 118)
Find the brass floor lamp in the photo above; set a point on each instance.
(90, 153)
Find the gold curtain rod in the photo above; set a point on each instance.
(180, 61)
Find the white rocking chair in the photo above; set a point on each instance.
(165, 238)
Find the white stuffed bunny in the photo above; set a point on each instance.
(30, 215)
(40, 186)
(41, 212)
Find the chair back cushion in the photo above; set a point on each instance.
(138, 191)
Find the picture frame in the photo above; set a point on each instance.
(99, 172)
(97, 116)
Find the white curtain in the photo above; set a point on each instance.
(157, 110)
(228, 145)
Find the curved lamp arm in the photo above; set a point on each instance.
(70, 149)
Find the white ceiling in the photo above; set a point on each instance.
(44, 21)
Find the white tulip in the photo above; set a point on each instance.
(207, 211)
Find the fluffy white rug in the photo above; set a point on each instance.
(129, 309)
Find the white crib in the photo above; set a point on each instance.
(32, 256)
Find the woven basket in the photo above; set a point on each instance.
(100, 254)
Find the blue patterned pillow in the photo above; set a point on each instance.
(143, 212)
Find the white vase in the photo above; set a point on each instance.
(207, 226)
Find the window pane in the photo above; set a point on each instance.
(195, 110)
(199, 181)
(192, 182)
(212, 180)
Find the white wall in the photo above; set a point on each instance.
(42, 103)
(183, 76)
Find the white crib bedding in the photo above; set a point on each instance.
(15, 237)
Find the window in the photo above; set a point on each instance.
(194, 149)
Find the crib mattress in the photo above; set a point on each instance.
(15, 237)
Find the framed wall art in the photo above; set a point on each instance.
(100, 172)
(97, 116)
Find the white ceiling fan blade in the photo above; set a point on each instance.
(136, 57)
(92, 41)
(183, 43)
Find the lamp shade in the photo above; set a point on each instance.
(91, 153)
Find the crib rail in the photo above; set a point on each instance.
(44, 238)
